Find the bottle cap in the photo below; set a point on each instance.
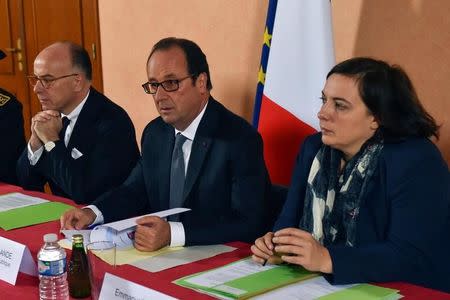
(50, 238)
(77, 238)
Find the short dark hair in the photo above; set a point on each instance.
(195, 58)
(80, 58)
(390, 96)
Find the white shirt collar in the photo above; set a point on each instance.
(190, 131)
(73, 115)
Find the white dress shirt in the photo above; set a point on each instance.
(178, 237)
(33, 157)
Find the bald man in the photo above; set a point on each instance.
(81, 142)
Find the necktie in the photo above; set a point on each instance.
(65, 123)
(177, 174)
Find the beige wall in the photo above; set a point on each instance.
(412, 33)
(229, 32)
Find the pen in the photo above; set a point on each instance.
(274, 259)
(271, 260)
(92, 226)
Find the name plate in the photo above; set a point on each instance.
(15, 257)
(118, 288)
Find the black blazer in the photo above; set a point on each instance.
(404, 218)
(225, 184)
(13, 137)
(105, 135)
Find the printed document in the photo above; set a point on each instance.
(17, 200)
(119, 232)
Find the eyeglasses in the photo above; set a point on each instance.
(170, 85)
(46, 82)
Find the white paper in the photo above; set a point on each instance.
(118, 288)
(14, 257)
(228, 273)
(127, 223)
(305, 290)
(180, 257)
(16, 200)
(28, 265)
(119, 232)
(123, 239)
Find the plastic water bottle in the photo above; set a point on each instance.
(52, 270)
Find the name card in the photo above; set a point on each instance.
(118, 288)
(15, 257)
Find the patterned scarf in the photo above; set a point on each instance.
(333, 198)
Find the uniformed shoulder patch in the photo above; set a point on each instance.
(4, 99)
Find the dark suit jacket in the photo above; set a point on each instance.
(404, 219)
(225, 182)
(105, 135)
(13, 138)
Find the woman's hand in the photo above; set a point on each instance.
(263, 248)
(300, 248)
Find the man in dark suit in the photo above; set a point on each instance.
(96, 148)
(13, 138)
(222, 162)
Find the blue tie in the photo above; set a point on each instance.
(177, 174)
(65, 123)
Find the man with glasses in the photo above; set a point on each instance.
(13, 137)
(81, 142)
(197, 154)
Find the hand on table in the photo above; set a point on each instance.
(300, 248)
(263, 250)
(152, 233)
(77, 218)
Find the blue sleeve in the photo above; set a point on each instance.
(416, 245)
(293, 207)
(127, 200)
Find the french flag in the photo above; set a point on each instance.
(297, 54)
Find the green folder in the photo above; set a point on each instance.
(31, 215)
(251, 285)
(247, 284)
(364, 292)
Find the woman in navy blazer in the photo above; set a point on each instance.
(370, 194)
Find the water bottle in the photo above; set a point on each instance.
(52, 270)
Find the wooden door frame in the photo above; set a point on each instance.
(14, 9)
